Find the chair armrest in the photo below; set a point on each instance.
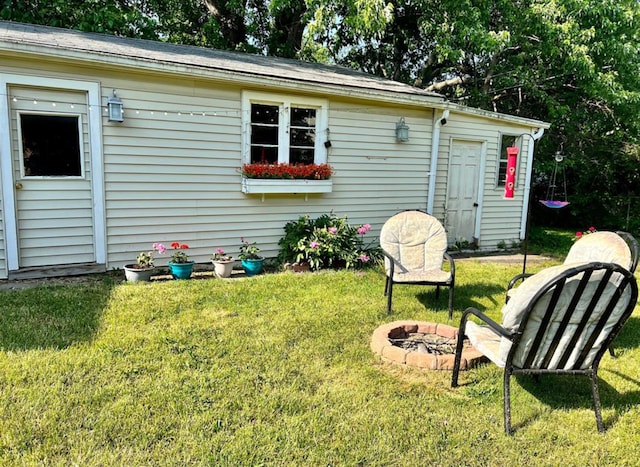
(519, 277)
(452, 264)
(485, 319)
(391, 260)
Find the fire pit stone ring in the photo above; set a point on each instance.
(385, 339)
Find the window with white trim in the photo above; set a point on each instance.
(505, 142)
(50, 145)
(281, 129)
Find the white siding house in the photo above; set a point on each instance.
(170, 171)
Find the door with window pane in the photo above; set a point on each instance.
(52, 177)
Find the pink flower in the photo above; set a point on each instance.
(332, 230)
(364, 258)
(578, 234)
(592, 229)
(364, 229)
(220, 251)
(313, 244)
(159, 247)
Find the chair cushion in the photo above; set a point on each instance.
(514, 310)
(606, 247)
(486, 341)
(432, 275)
(416, 241)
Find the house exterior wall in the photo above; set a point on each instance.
(500, 218)
(171, 169)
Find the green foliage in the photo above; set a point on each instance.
(248, 250)
(145, 259)
(105, 16)
(328, 241)
(550, 242)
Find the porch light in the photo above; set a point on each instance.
(402, 131)
(115, 108)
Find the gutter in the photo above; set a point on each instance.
(527, 187)
(438, 122)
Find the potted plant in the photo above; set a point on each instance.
(180, 265)
(222, 263)
(144, 268)
(252, 262)
(286, 178)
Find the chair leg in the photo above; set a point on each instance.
(507, 401)
(437, 292)
(457, 359)
(451, 302)
(386, 285)
(611, 351)
(596, 401)
(389, 295)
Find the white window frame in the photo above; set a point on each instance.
(502, 158)
(284, 103)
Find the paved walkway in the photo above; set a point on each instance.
(507, 259)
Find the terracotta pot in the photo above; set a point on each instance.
(302, 266)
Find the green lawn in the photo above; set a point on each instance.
(277, 370)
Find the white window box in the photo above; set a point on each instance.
(269, 185)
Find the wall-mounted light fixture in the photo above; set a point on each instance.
(402, 131)
(114, 104)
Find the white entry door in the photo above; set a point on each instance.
(51, 176)
(462, 194)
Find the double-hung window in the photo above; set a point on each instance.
(281, 129)
(505, 142)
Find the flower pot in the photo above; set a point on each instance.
(252, 266)
(181, 270)
(223, 268)
(133, 273)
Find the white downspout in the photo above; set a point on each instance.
(435, 146)
(527, 186)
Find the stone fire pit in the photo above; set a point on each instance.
(422, 345)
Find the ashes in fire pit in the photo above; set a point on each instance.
(426, 343)
(422, 345)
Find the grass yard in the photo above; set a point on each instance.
(277, 370)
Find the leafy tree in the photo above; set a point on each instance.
(573, 63)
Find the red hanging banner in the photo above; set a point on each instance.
(512, 156)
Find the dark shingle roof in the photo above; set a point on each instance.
(56, 40)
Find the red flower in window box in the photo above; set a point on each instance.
(288, 171)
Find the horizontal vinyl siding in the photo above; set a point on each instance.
(501, 218)
(183, 172)
(173, 176)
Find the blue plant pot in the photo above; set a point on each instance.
(181, 270)
(252, 266)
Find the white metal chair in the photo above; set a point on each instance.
(414, 245)
(559, 321)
